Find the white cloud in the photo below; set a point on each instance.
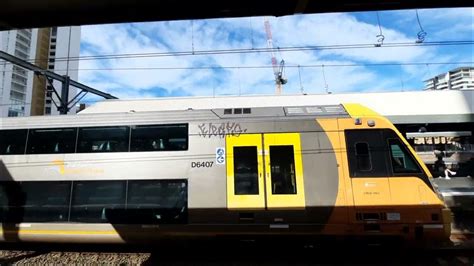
(247, 33)
(442, 24)
(343, 29)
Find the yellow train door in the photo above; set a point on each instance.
(264, 171)
(283, 171)
(245, 182)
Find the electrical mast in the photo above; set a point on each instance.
(277, 71)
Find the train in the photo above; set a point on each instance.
(337, 171)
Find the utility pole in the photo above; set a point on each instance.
(64, 104)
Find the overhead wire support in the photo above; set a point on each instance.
(65, 80)
(421, 34)
(380, 36)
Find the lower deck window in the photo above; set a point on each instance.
(34, 201)
(116, 202)
(95, 201)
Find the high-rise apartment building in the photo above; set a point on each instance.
(21, 92)
(15, 82)
(461, 78)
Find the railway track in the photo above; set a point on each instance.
(462, 239)
(241, 253)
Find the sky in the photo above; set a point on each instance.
(243, 65)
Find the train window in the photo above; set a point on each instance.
(103, 139)
(245, 170)
(159, 138)
(47, 141)
(13, 141)
(12, 200)
(34, 201)
(156, 201)
(367, 153)
(402, 161)
(46, 201)
(97, 201)
(282, 165)
(363, 156)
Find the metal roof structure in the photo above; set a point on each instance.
(18, 14)
(447, 106)
(453, 134)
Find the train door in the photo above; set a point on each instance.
(264, 171)
(245, 180)
(368, 170)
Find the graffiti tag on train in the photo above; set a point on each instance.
(208, 130)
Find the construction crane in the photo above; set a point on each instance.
(277, 70)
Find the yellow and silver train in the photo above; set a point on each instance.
(333, 170)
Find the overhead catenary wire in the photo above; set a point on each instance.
(257, 50)
(266, 66)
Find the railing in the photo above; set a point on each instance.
(445, 148)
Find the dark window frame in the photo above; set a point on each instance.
(78, 130)
(388, 134)
(73, 143)
(132, 148)
(378, 160)
(126, 144)
(281, 182)
(406, 151)
(14, 205)
(23, 131)
(368, 154)
(80, 204)
(243, 173)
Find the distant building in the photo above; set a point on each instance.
(21, 92)
(64, 43)
(16, 83)
(461, 78)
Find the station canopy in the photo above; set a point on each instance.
(18, 14)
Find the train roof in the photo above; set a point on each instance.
(181, 116)
(446, 106)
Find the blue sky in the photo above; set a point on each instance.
(232, 74)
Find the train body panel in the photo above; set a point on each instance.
(278, 171)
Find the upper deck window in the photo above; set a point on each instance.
(103, 139)
(47, 141)
(159, 138)
(13, 141)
